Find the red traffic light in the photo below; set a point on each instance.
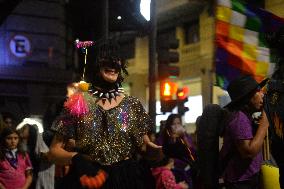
(167, 90)
(182, 93)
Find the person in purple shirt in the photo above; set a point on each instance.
(178, 144)
(243, 137)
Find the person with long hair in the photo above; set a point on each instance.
(108, 126)
(243, 136)
(178, 144)
(275, 102)
(15, 164)
(33, 143)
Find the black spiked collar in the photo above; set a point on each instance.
(105, 94)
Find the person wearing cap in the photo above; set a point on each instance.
(243, 139)
(109, 127)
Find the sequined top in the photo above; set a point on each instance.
(107, 136)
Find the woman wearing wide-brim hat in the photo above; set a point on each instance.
(243, 139)
(242, 89)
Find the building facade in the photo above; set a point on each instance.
(195, 32)
(36, 52)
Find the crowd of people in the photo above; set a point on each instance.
(104, 138)
(25, 163)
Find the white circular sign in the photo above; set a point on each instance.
(20, 46)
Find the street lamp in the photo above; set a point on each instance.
(145, 9)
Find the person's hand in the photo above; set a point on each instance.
(177, 131)
(180, 131)
(153, 145)
(151, 150)
(150, 144)
(1, 186)
(183, 185)
(263, 121)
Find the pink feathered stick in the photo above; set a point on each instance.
(77, 105)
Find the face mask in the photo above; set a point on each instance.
(111, 63)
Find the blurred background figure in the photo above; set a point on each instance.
(274, 102)
(8, 119)
(2, 124)
(177, 143)
(43, 171)
(165, 178)
(52, 111)
(15, 164)
(209, 128)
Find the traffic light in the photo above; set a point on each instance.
(167, 90)
(182, 95)
(167, 55)
(168, 105)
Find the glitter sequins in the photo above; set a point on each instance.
(109, 136)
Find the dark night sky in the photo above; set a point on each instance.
(86, 16)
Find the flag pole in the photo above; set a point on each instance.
(266, 150)
(212, 69)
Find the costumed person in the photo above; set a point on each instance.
(274, 104)
(31, 131)
(178, 144)
(15, 164)
(109, 129)
(241, 153)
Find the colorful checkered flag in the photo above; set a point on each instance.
(240, 40)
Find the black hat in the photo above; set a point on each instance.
(241, 87)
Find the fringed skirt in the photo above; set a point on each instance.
(126, 174)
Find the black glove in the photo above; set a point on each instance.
(89, 173)
(83, 166)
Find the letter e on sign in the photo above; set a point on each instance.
(20, 46)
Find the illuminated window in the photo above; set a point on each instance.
(194, 104)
